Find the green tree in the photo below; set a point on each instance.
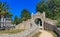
(4, 7)
(20, 20)
(58, 22)
(8, 15)
(25, 14)
(51, 7)
(41, 6)
(16, 20)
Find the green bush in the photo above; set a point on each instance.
(58, 23)
(11, 31)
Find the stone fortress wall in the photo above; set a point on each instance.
(47, 24)
(30, 22)
(52, 26)
(23, 25)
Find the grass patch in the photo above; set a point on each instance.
(53, 33)
(10, 31)
(37, 34)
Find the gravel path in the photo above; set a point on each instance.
(45, 34)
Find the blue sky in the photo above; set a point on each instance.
(18, 5)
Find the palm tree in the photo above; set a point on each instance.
(4, 7)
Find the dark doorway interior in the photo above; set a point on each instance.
(38, 22)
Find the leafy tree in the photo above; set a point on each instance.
(16, 20)
(25, 14)
(4, 7)
(51, 7)
(41, 6)
(13, 22)
(8, 15)
(20, 20)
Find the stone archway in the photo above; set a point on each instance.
(38, 22)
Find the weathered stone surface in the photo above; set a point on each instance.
(47, 24)
(29, 23)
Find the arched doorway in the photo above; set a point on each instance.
(38, 22)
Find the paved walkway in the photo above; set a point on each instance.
(45, 34)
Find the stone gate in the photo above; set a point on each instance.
(38, 19)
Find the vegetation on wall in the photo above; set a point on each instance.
(58, 22)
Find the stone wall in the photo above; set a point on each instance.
(48, 26)
(57, 31)
(47, 23)
(24, 25)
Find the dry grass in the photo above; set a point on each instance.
(37, 34)
(10, 31)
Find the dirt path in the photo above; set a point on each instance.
(45, 34)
